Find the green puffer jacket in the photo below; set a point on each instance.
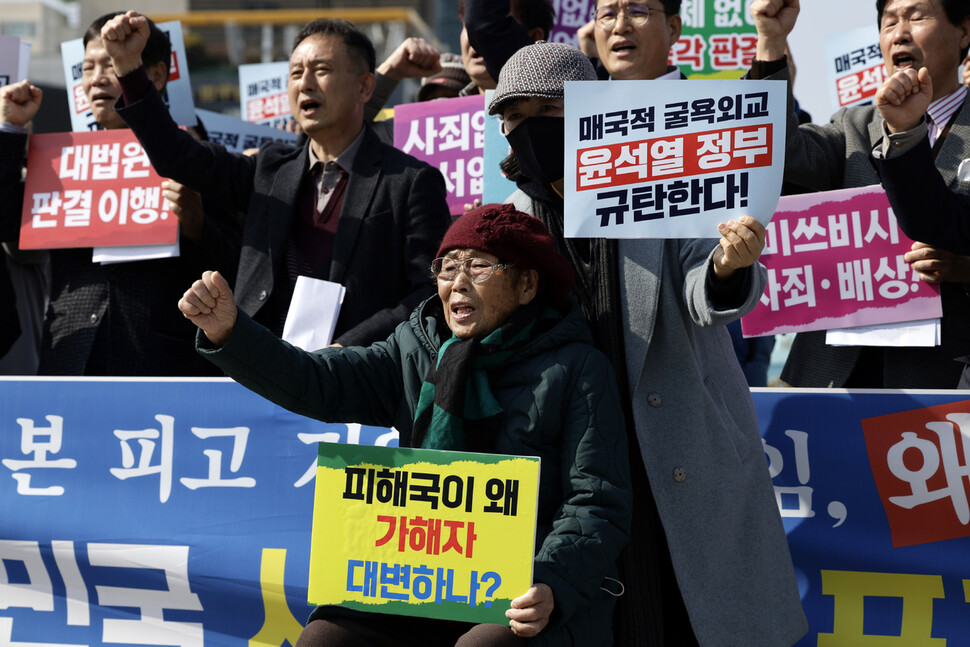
(560, 403)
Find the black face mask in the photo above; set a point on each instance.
(538, 146)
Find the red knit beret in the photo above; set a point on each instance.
(514, 237)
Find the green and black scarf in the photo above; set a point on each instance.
(456, 409)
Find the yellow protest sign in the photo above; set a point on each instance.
(423, 532)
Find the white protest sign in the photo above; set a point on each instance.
(238, 135)
(14, 59)
(854, 66)
(262, 93)
(671, 159)
(177, 93)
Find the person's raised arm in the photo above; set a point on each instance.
(924, 206)
(495, 34)
(774, 20)
(124, 38)
(903, 99)
(363, 385)
(415, 58)
(19, 103)
(224, 178)
(585, 37)
(814, 155)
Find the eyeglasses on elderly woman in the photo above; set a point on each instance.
(479, 270)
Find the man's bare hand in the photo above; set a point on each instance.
(774, 20)
(124, 39)
(587, 39)
(904, 97)
(19, 103)
(935, 265)
(209, 304)
(413, 59)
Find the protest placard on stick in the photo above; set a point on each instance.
(835, 260)
(669, 159)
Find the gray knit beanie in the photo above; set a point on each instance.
(540, 70)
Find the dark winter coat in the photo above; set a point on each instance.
(559, 400)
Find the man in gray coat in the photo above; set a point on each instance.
(708, 561)
(913, 34)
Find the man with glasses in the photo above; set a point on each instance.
(633, 39)
(664, 604)
(112, 318)
(708, 562)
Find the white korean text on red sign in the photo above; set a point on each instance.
(668, 159)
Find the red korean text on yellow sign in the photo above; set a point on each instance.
(423, 532)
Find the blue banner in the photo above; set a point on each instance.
(178, 512)
(155, 513)
(872, 490)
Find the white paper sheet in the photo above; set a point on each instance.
(108, 255)
(907, 333)
(313, 313)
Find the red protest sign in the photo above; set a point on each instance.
(860, 85)
(259, 109)
(674, 156)
(919, 462)
(94, 189)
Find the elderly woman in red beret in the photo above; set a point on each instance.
(502, 335)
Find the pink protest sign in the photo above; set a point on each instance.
(570, 16)
(94, 189)
(449, 134)
(835, 260)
